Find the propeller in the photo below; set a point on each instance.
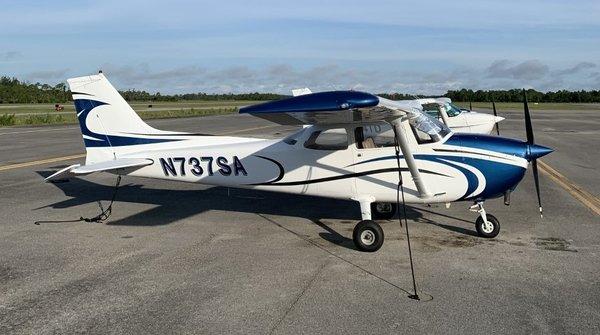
(496, 115)
(534, 151)
(470, 106)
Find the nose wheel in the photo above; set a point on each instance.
(486, 224)
(489, 228)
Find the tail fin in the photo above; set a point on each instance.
(108, 124)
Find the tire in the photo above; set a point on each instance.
(368, 236)
(487, 231)
(383, 210)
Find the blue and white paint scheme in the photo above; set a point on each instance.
(348, 151)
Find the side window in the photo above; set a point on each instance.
(329, 139)
(374, 136)
(421, 136)
(433, 110)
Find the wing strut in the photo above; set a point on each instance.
(444, 114)
(400, 133)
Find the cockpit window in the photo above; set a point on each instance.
(432, 109)
(371, 136)
(452, 110)
(428, 129)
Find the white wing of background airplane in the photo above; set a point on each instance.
(301, 91)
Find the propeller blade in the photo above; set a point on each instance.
(470, 106)
(528, 128)
(496, 115)
(537, 185)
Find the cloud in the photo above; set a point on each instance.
(283, 77)
(527, 70)
(8, 56)
(47, 75)
(277, 78)
(576, 69)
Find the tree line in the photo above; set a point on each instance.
(14, 91)
(516, 95)
(135, 95)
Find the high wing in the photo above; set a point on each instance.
(78, 170)
(333, 108)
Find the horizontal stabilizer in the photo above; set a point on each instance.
(63, 173)
(77, 169)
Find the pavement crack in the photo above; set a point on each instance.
(304, 290)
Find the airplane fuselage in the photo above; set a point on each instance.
(460, 167)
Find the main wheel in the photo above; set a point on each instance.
(488, 229)
(368, 236)
(383, 210)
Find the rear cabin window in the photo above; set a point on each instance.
(329, 139)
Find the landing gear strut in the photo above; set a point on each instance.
(486, 224)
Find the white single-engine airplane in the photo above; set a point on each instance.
(357, 147)
(459, 120)
(442, 108)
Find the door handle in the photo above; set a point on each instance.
(359, 155)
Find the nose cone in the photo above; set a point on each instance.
(535, 151)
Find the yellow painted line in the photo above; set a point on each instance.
(40, 162)
(589, 200)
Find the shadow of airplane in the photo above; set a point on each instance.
(176, 204)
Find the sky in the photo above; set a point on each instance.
(414, 47)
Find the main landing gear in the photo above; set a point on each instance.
(368, 235)
(486, 224)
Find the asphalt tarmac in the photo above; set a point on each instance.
(184, 258)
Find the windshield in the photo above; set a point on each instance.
(452, 110)
(430, 126)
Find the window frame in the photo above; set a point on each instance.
(310, 142)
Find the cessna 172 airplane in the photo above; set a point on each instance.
(458, 120)
(358, 146)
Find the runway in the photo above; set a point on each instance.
(177, 258)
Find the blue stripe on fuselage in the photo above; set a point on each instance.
(85, 106)
(499, 176)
